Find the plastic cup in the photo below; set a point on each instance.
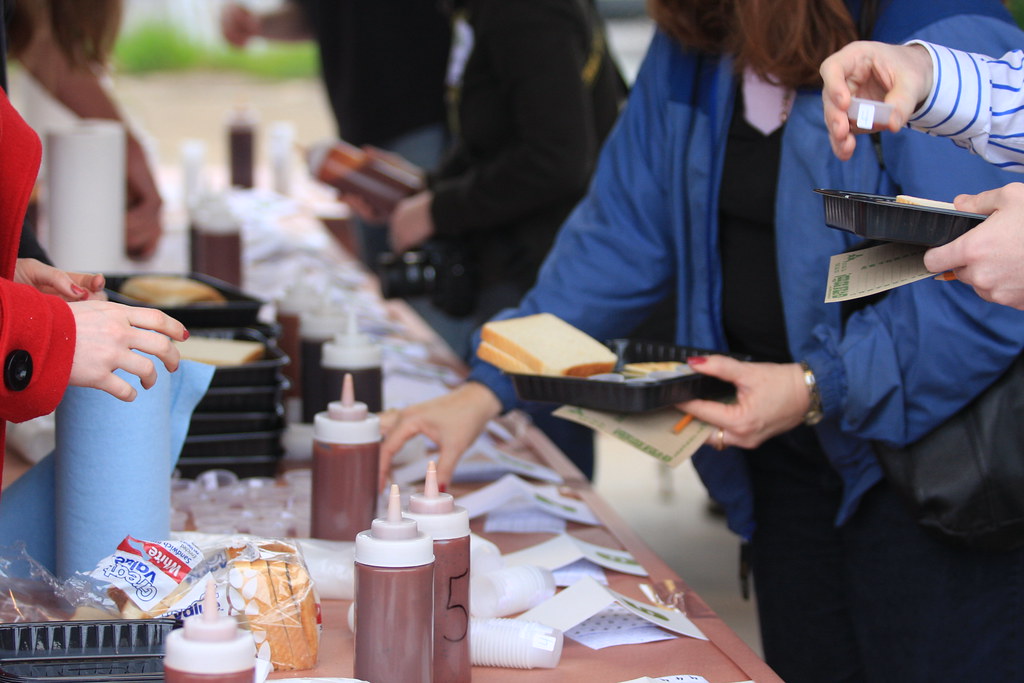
(484, 556)
(514, 643)
(211, 480)
(509, 591)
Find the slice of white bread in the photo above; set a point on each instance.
(220, 351)
(918, 201)
(170, 290)
(544, 344)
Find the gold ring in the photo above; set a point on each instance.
(720, 440)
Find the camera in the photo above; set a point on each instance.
(443, 269)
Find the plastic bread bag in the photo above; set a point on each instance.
(30, 593)
(270, 590)
(331, 564)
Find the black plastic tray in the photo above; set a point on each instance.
(205, 424)
(109, 650)
(627, 398)
(240, 309)
(259, 399)
(265, 371)
(878, 217)
(233, 445)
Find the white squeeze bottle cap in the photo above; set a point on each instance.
(394, 541)
(320, 322)
(210, 642)
(436, 512)
(350, 349)
(346, 421)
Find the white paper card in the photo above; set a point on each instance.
(565, 549)
(876, 269)
(545, 497)
(523, 518)
(614, 625)
(651, 433)
(587, 597)
(575, 571)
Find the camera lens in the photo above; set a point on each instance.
(404, 275)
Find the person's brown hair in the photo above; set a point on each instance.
(786, 40)
(84, 30)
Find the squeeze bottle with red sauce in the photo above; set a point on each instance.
(394, 607)
(346, 456)
(437, 514)
(356, 354)
(379, 180)
(210, 648)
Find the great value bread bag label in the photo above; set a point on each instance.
(148, 572)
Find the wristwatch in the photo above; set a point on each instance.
(814, 413)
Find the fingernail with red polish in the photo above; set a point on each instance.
(79, 291)
(441, 488)
(187, 335)
(696, 360)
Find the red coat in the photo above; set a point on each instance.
(37, 331)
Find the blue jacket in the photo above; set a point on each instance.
(896, 368)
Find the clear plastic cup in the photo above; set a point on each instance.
(211, 480)
(514, 643)
(179, 520)
(269, 527)
(509, 591)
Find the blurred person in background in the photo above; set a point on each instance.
(55, 329)
(705, 189)
(533, 92)
(65, 45)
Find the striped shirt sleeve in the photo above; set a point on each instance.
(977, 102)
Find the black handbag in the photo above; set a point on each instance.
(964, 480)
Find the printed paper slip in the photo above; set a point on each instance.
(650, 433)
(876, 269)
(510, 487)
(564, 549)
(586, 598)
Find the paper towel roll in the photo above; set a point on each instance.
(113, 463)
(85, 195)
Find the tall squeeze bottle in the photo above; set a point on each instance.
(394, 608)
(437, 514)
(346, 456)
(210, 648)
(358, 355)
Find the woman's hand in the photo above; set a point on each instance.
(50, 280)
(411, 223)
(106, 334)
(771, 398)
(452, 421)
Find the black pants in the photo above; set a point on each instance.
(877, 599)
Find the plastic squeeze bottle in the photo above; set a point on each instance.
(242, 146)
(357, 355)
(317, 325)
(437, 514)
(210, 648)
(346, 456)
(394, 610)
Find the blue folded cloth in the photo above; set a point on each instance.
(109, 475)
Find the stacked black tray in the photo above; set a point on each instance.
(116, 650)
(238, 424)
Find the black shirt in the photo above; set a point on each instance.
(383, 64)
(751, 296)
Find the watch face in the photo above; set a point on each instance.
(813, 417)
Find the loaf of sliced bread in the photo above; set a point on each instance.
(544, 344)
(220, 351)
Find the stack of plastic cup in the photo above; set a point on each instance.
(509, 591)
(514, 643)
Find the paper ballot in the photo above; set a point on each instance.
(876, 269)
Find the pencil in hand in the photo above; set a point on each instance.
(683, 422)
